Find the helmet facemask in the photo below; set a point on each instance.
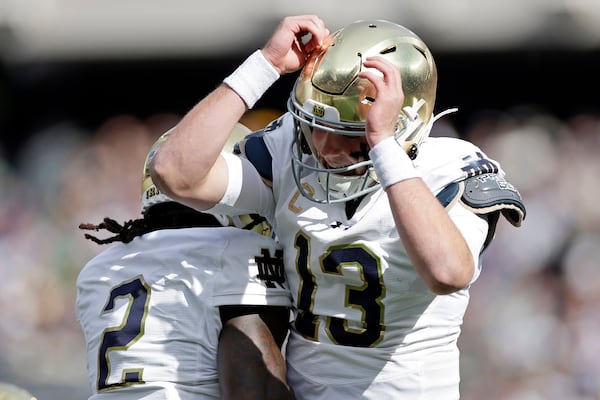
(329, 95)
(338, 187)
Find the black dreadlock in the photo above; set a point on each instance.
(168, 215)
(124, 233)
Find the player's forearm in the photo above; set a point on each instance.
(187, 167)
(434, 244)
(250, 362)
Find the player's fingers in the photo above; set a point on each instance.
(385, 70)
(310, 29)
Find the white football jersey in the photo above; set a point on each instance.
(149, 308)
(366, 326)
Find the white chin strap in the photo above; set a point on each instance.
(411, 129)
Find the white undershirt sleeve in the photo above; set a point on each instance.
(234, 185)
(246, 192)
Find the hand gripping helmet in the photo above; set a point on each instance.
(151, 195)
(329, 95)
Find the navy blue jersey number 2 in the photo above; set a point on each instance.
(137, 293)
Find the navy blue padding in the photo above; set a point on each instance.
(258, 154)
(448, 194)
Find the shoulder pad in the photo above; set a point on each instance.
(488, 193)
(254, 149)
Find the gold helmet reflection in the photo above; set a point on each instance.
(329, 95)
(328, 90)
(150, 193)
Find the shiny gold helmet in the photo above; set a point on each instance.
(151, 195)
(328, 94)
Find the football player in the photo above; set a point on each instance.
(382, 227)
(187, 305)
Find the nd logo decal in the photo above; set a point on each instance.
(318, 110)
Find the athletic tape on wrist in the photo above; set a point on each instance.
(252, 79)
(391, 163)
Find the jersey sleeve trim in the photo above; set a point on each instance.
(234, 184)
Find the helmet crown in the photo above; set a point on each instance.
(329, 95)
(330, 77)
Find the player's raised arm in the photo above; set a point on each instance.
(439, 252)
(189, 167)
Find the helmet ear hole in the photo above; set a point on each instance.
(388, 50)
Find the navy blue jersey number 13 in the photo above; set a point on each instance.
(365, 296)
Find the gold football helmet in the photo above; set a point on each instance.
(151, 195)
(329, 95)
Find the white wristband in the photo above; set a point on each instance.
(391, 163)
(252, 79)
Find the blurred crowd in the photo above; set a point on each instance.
(530, 331)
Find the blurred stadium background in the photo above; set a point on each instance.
(86, 87)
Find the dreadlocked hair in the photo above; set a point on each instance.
(124, 233)
(168, 215)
